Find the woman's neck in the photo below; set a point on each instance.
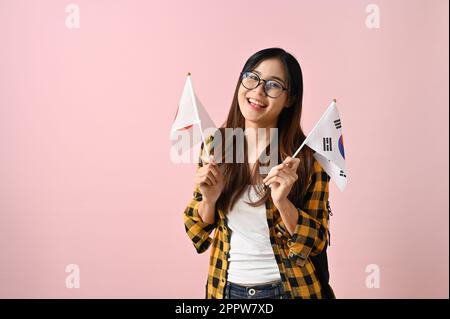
(257, 144)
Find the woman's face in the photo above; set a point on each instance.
(258, 109)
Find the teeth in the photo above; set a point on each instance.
(255, 102)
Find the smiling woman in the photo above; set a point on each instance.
(269, 242)
(270, 97)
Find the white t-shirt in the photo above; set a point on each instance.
(251, 259)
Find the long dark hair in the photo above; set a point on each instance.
(290, 136)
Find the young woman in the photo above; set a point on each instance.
(268, 228)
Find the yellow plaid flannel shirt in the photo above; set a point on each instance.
(291, 251)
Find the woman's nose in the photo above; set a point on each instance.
(260, 89)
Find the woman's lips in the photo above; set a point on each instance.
(256, 106)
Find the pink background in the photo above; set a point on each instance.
(85, 172)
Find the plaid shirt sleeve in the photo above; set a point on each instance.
(310, 234)
(197, 230)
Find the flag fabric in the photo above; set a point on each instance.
(191, 116)
(327, 140)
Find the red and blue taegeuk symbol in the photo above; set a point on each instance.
(341, 146)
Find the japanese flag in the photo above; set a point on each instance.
(191, 117)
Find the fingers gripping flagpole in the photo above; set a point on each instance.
(306, 139)
(194, 101)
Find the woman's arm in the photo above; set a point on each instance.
(306, 228)
(289, 215)
(207, 210)
(200, 213)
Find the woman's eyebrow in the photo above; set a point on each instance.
(272, 77)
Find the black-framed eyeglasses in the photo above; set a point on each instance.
(272, 88)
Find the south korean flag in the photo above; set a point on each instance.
(328, 143)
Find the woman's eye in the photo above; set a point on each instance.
(274, 85)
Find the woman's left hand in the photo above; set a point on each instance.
(282, 177)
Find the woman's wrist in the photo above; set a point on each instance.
(207, 210)
(208, 204)
(282, 204)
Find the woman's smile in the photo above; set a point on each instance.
(256, 104)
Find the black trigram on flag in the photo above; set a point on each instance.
(337, 123)
(327, 144)
(341, 173)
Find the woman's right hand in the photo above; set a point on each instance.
(210, 180)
